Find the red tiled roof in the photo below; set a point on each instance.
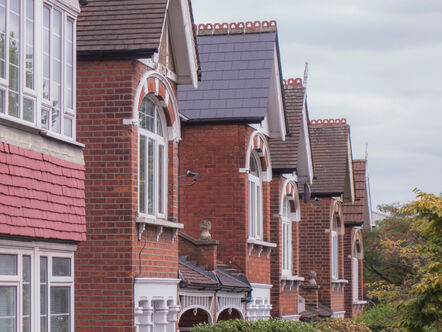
(195, 275)
(355, 212)
(330, 148)
(285, 153)
(40, 196)
(124, 25)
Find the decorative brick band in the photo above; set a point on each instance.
(292, 82)
(234, 28)
(327, 122)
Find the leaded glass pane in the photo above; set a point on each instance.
(43, 294)
(55, 120)
(60, 309)
(45, 119)
(29, 39)
(67, 126)
(13, 109)
(150, 176)
(8, 309)
(46, 52)
(8, 264)
(147, 115)
(142, 175)
(2, 38)
(2, 101)
(61, 267)
(161, 183)
(26, 296)
(69, 81)
(28, 110)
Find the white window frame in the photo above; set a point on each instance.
(286, 239)
(334, 249)
(35, 251)
(355, 274)
(255, 201)
(35, 94)
(158, 140)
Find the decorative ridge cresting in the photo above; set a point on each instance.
(234, 28)
(328, 123)
(292, 83)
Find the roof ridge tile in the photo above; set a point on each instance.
(234, 28)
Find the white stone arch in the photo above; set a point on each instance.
(196, 307)
(196, 300)
(230, 301)
(258, 142)
(156, 84)
(336, 211)
(290, 189)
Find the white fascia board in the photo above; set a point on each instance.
(350, 170)
(71, 6)
(183, 47)
(275, 105)
(305, 160)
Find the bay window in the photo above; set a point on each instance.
(36, 290)
(334, 247)
(255, 198)
(39, 98)
(152, 160)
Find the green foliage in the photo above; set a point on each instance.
(383, 317)
(422, 311)
(341, 325)
(403, 261)
(272, 325)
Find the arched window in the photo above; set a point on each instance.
(255, 198)
(152, 159)
(286, 236)
(355, 272)
(334, 253)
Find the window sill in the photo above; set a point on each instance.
(359, 302)
(338, 284)
(32, 129)
(291, 281)
(260, 245)
(142, 221)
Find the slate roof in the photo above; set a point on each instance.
(194, 276)
(354, 212)
(285, 153)
(330, 148)
(40, 196)
(106, 26)
(235, 79)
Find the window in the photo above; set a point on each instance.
(22, 291)
(255, 198)
(152, 160)
(43, 100)
(334, 254)
(355, 273)
(286, 237)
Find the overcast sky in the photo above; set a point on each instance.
(378, 64)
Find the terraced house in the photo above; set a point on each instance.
(131, 57)
(42, 212)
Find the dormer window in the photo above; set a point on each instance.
(152, 159)
(255, 198)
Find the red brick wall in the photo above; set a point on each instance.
(220, 195)
(315, 249)
(110, 258)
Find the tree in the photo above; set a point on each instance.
(422, 311)
(403, 264)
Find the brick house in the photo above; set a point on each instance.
(131, 57)
(357, 216)
(292, 168)
(42, 212)
(322, 227)
(226, 123)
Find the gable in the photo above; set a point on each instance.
(238, 80)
